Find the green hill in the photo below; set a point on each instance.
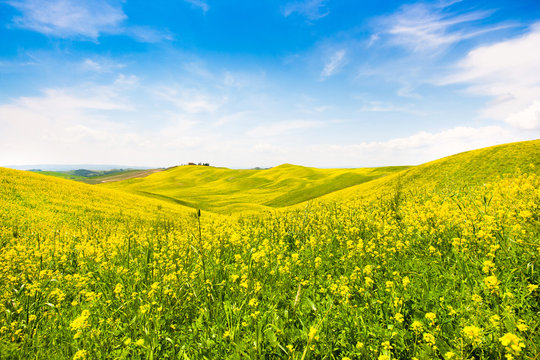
(31, 200)
(451, 173)
(90, 272)
(227, 191)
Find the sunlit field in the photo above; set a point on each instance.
(436, 261)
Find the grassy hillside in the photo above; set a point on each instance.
(227, 191)
(452, 173)
(98, 176)
(94, 273)
(31, 200)
(69, 175)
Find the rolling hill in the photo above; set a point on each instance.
(30, 200)
(92, 272)
(228, 191)
(452, 173)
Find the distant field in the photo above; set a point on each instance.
(98, 176)
(227, 190)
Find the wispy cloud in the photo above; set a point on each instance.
(79, 19)
(509, 72)
(414, 149)
(381, 107)
(311, 9)
(425, 27)
(59, 121)
(191, 100)
(283, 128)
(100, 65)
(202, 4)
(336, 61)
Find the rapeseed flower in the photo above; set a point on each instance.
(473, 333)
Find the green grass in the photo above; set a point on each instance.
(95, 273)
(226, 190)
(452, 173)
(97, 176)
(68, 175)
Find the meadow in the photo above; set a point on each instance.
(433, 261)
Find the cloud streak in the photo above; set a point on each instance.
(203, 5)
(336, 61)
(509, 72)
(429, 28)
(310, 9)
(86, 20)
(283, 128)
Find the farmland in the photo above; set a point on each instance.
(433, 261)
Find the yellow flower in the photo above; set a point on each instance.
(495, 319)
(384, 357)
(139, 342)
(450, 355)
(312, 332)
(429, 339)
(492, 283)
(368, 269)
(512, 343)
(80, 355)
(399, 317)
(405, 282)
(473, 333)
(417, 326)
(489, 266)
(118, 289)
(521, 326)
(431, 317)
(81, 322)
(532, 287)
(476, 298)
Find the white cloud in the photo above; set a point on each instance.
(378, 106)
(528, 118)
(412, 150)
(234, 117)
(100, 65)
(79, 19)
(283, 128)
(200, 4)
(508, 71)
(63, 123)
(191, 100)
(336, 61)
(425, 27)
(311, 9)
(67, 18)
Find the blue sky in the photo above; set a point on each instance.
(324, 83)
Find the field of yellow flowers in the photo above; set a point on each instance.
(91, 273)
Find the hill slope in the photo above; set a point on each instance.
(451, 173)
(91, 273)
(29, 200)
(227, 190)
